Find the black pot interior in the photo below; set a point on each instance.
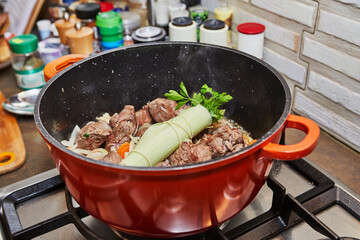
(136, 75)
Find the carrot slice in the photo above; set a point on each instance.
(123, 149)
(253, 141)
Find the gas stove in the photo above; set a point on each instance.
(299, 201)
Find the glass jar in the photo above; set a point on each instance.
(26, 61)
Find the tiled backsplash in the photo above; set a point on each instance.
(315, 45)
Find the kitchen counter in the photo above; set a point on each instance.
(334, 157)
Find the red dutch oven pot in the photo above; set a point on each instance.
(172, 201)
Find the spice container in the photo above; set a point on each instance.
(182, 29)
(215, 32)
(62, 25)
(131, 21)
(80, 39)
(199, 15)
(251, 38)
(87, 12)
(26, 61)
(224, 13)
(111, 29)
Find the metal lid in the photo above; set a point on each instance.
(23, 43)
(87, 10)
(251, 28)
(182, 21)
(148, 34)
(214, 24)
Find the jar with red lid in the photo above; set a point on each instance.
(251, 38)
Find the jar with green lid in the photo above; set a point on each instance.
(26, 61)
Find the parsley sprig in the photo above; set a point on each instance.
(211, 103)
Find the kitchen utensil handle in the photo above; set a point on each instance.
(60, 64)
(298, 150)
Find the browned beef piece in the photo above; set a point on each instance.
(182, 108)
(190, 153)
(143, 116)
(164, 163)
(92, 135)
(112, 157)
(124, 124)
(224, 140)
(141, 131)
(162, 109)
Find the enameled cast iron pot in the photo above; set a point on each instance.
(173, 201)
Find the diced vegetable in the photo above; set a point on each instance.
(123, 149)
(162, 139)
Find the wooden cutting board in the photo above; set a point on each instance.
(12, 148)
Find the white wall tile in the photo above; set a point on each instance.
(304, 13)
(286, 66)
(332, 121)
(340, 26)
(355, 3)
(331, 57)
(335, 92)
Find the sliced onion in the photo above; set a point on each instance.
(97, 153)
(72, 139)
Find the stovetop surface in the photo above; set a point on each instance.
(337, 207)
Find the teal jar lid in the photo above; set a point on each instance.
(25, 43)
(108, 19)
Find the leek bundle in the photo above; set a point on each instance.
(162, 139)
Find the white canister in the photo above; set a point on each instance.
(215, 32)
(183, 29)
(251, 38)
(176, 9)
(161, 13)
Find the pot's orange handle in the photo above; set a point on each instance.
(60, 64)
(298, 150)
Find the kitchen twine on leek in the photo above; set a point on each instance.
(171, 124)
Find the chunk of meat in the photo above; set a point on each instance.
(189, 152)
(142, 130)
(162, 109)
(224, 140)
(143, 116)
(164, 163)
(112, 157)
(92, 135)
(124, 124)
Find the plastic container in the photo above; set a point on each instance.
(183, 29)
(26, 61)
(225, 13)
(251, 38)
(110, 27)
(199, 15)
(215, 32)
(43, 27)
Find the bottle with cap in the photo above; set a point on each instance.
(80, 39)
(183, 29)
(224, 13)
(199, 15)
(87, 12)
(26, 61)
(215, 32)
(111, 29)
(251, 38)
